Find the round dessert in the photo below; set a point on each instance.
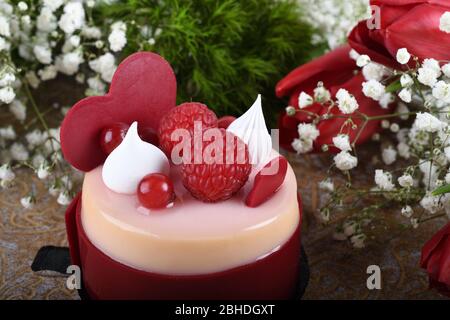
(208, 210)
(190, 237)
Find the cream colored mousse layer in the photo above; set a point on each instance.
(191, 237)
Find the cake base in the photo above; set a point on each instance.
(275, 276)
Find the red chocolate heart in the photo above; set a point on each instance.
(143, 89)
(265, 185)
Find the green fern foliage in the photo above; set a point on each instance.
(223, 52)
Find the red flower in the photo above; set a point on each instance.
(436, 260)
(336, 70)
(411, 24)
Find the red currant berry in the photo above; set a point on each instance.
(155, 191)
(149, 135)
(112, 136)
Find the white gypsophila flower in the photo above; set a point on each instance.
(96, 87)
(345, 161)
(430, 173)
(43, 171)
(414, 223)
(8, 133)
(342, 142)
(64, 198)
(53, 4)
(80, 77)
(403, 110)
(18, 109)
(66, 183)
(385, 124)
(69, 63)
(446, 70)
(4, 26)
(403, 150)
(321, 94)
(4, 45)
(302, 146)
(35, 138)
(32, 79)
(74, 40)
(26, 23)
(43, 54)
(73, 17)
(427, 76)
(403, 56)
(405, 95)
(48, 73)
(432, 64)
(27, 202)
(19, 152)
(7, 79)
(346, 102)
(386, 99)
(353, 54)
(447, 152)
(91, 32)
(307, 131)
(117, 38)
(374, 71)
(22, 6)
(53, 190)
(427, 122)
(7, 95)
(431, 203)
(362, 60)
(358, 241)
(384, 180)
(402, 135)
(407, 212)
(6, 173)
(447, 178)
(406, 80)
(373, 89)
(406, 181)
(46, 20)
(389, 155)
(334, 19)
(349, 228)
(304, 100)
(37, 160)
(441, 91)
(394, 127)
(105, 65)
(444, 22)
(326, 185)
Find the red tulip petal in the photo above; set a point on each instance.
(143, 89)
(418, 30)
(265, 185)
(325, 68)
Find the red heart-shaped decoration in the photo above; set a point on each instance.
(143, 89)
(265, 185)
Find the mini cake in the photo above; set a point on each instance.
(175, 203)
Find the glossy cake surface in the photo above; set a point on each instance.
(191, 237)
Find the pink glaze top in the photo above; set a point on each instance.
(190, 237)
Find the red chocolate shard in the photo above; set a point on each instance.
(143, 89)
(225, 121)
(267, 182)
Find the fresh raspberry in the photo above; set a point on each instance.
(218, 177)
(183, 117)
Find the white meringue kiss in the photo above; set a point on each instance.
(251, 128)
(131, 161)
